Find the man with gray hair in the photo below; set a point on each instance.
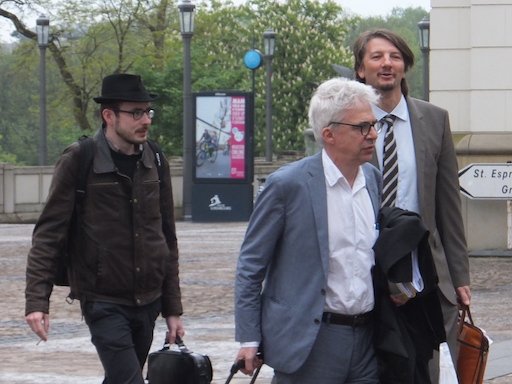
(303, 289)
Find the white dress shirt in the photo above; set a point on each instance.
(407, 190)
(352, 234)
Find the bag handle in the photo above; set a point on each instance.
(466, 313)
(240, 364)
(178, 341)
(181, 345)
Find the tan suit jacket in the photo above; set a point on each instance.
(439, 193)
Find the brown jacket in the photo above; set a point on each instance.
(129, 249)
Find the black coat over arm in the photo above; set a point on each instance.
(407, 335)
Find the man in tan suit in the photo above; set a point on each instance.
(427, 164)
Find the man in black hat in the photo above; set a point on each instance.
(126, 270)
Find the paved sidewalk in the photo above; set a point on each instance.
(208, 253)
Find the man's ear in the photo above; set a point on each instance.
(360, 72)
(109, 115)
(327, 135)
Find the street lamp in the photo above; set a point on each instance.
(269, 39)
(186, 8)
(424, 29)
(42, 29)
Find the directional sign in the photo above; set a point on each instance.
(491, 181)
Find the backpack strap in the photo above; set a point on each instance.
(86, 156)
(158, 158)
(74, 235)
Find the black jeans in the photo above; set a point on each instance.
(122, 336)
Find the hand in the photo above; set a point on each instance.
(399, 300)
(249, 355)
(463, 296)
(39, 323)
(175, 327)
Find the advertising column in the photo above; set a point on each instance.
(224, 164)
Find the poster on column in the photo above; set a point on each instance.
(223, 137)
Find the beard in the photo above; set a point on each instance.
(386, 87)
(130, 138)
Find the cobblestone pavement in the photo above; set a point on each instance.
(208, 253)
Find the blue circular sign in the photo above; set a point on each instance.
(253, 59)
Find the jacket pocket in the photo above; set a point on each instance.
(106, 202)
(113, 275)
(151, 199)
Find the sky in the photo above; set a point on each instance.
(380, 7)
(364, 8)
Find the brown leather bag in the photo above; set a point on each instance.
(473, 350)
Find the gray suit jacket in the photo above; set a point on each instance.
(282, 269)
(439, 193)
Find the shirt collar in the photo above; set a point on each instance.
(400, 111)
(137, 147)
(333, 174)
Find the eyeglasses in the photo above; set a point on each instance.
(138, 113)
(364, 127)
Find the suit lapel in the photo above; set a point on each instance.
(373, 188)
(318, 198)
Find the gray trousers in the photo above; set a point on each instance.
(341, 354)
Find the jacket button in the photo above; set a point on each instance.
(317, 321)
(138, 301)
(137, 269)
(322, 291)
(135, 201)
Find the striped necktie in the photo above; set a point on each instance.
(390, 165)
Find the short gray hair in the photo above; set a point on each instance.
(332, 98)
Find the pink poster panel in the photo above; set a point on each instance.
(237, 137)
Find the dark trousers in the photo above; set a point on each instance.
(122, 336)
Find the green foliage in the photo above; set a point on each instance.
(310, 36)
(92, 39)
(309, 40)
(19, 117)
(167, 125)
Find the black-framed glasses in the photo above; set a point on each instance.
(365, 127)
(138, 113)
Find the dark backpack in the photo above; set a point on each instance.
(75, 228)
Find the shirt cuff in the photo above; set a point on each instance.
(249, 344)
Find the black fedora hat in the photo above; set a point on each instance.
(123, 87)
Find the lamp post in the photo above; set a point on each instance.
(42, 29)
(186, 8)
(269, 39)
(424, 29)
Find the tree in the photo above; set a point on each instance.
(94, 38)
(310, 36)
